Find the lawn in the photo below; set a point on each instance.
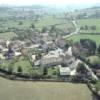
(23, 63)
(90, 22)
(16, 90)
(94, 59)
(97, 85)
(77, 37)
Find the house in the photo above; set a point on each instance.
(51, 45)
(17, 53)
(69, 51)
(2, 42)
(1, 56)
(1, 48)
(66, 71)
(79, 48)
(53, 57)
(60, 42)
(16, 45)
(9, 54)
(44, 46)
(45, 37)
(33, 58)
(69, 60)
(33, 46)
(7, 43)
(37, 62)
(51, 60)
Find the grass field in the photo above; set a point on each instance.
(49, 20)
(90, 22)
(24, 64)
(94, 59)
(14, 90)
(77, 37)
(7, 35)
(43, 22)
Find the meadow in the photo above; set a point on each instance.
(18, 90)
(77, 37)
(90, 22)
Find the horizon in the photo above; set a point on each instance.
(56, 3)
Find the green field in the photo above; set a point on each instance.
(90, 22)
(77, 37)
(46, 21)
(7, 35)
(94, 59)
(16, 90)
(23, 63)
(43, 22)
(49, 20)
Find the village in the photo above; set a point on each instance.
(47, 54)
(43, 54)
(40, 48)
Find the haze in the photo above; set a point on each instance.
(49, 2)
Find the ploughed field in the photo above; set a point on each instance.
(18, 90)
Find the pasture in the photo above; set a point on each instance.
(18, 90)
(46, 21)
(90, 22)
(77, 37)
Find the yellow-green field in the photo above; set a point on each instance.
(17, 90)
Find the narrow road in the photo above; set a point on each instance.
(76, 31)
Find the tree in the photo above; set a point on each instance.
(86, 27)
(45, 71)
(53, 29)
(98, 49)
(20, 23)
(10, 68)
(89, 44)
(32, 26)
(19, 69)
(93, 27)
(44, 29)
(81, 68)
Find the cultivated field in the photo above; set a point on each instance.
(13, 90)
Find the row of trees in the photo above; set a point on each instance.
(86, 27)
(10, 68)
